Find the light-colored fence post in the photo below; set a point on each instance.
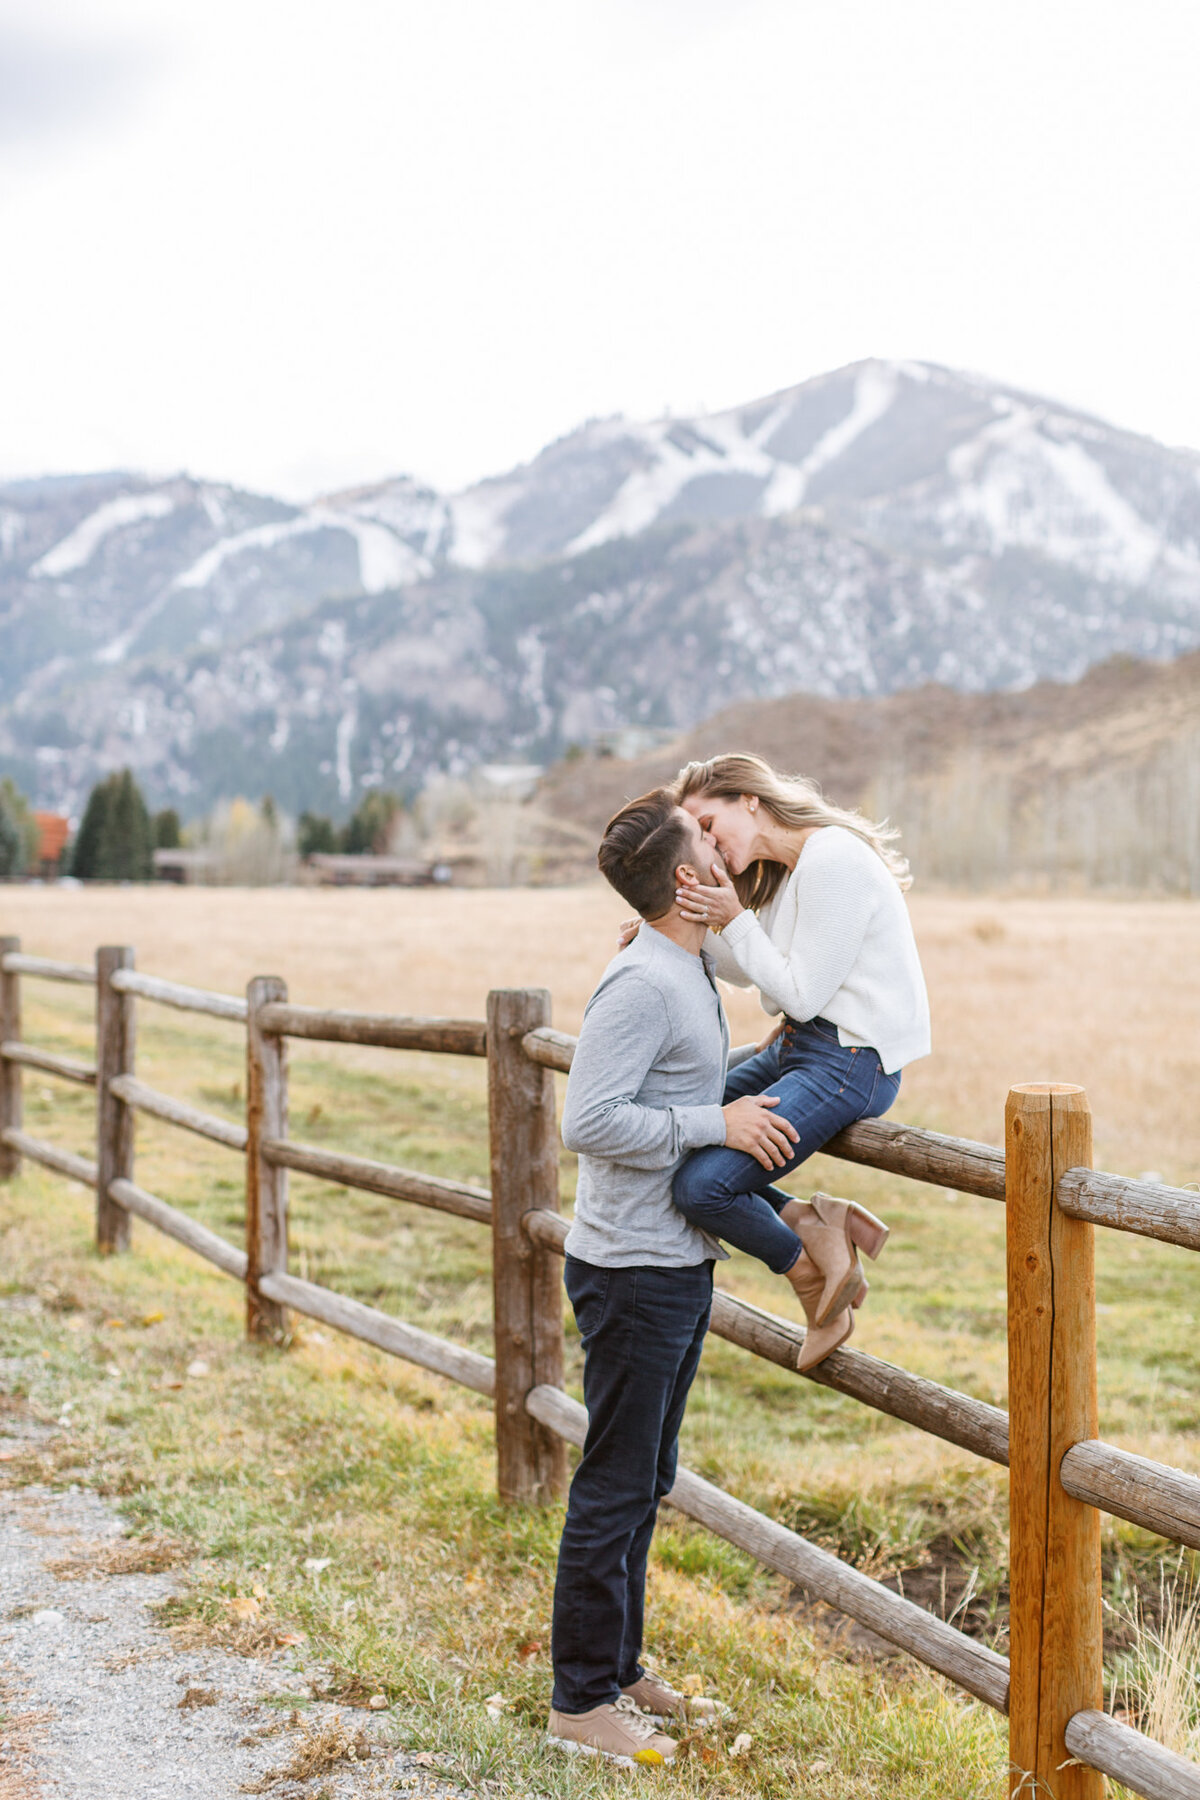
(116, 1023)
(266, 1185)
(531, 1461)
(1054, 1556)
(10, 1072)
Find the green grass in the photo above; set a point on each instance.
(435, 1593)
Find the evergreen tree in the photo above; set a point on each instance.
(86, 852)
(370, 828)
(18, 832)
(115, 840)
(315, 835)
(165, 829)
(12, 848)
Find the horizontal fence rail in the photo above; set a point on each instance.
(457, 1197)
(179, 995)
(1150, 1494)
(178, 1225)
(146, 1099)
(940, 1411)
(49, 1062)
(455, 1037)
(439, 1355)
(949, 1162)
(958, 1163)
(536, 1419)
(1146, 1208)
(13, 962)
(63, 1162)
(1116, 1749)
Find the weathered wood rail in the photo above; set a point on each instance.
(1061, 1474)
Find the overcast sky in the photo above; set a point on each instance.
(295, 244)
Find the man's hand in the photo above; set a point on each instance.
(750, 1125)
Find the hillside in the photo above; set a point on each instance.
(1095, 781)
(864, 533)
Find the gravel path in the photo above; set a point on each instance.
(97, 1702)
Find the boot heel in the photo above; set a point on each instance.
(865, 1231)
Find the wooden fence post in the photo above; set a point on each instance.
(531, 1461)
(1055, 1631)
(10, 1073)
(266, 1185)
(116, 1022)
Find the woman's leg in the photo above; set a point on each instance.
(753, 1075)
(823, 1086)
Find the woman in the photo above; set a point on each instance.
(814, 916)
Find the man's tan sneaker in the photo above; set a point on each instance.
(617, 1731)
(656, 1697)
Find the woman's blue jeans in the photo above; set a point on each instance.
(822, 1086)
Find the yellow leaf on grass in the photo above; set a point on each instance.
(244, 1606)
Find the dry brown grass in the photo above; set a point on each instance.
(195, 1697)
(22, 1735)
(322, 1747)
(1102, 992)
(131, 1556)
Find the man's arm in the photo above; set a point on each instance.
(625, 1030)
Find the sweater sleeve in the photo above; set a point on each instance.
(625, 1029)
(725, 964)
(834, 908)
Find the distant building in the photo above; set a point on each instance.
(626, 742)
(375, 871)
(187, 868)
(516, 781)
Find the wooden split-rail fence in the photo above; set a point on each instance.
(1062, 1474)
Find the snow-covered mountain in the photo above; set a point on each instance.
(876, 527)
(921, 456)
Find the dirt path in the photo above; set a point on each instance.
(98, 1702)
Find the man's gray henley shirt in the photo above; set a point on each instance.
(645, 1088)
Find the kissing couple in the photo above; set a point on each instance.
(736, 872)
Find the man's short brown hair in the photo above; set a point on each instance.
(642, 847)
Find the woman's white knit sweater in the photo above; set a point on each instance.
(835, 943)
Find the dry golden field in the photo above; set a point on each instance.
(1102, 992)
(433, 1594)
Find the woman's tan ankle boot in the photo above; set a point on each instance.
(808, 1284)
(832, 1232)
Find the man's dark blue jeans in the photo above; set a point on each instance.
(822, 1086)
(642, 1330)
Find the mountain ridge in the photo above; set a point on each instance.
(877, 527)
(1092, 782)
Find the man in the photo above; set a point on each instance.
(644, 1090)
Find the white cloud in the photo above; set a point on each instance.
(332, 243)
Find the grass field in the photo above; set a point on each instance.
(433, 1593)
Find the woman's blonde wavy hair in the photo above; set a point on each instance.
(791, 800)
